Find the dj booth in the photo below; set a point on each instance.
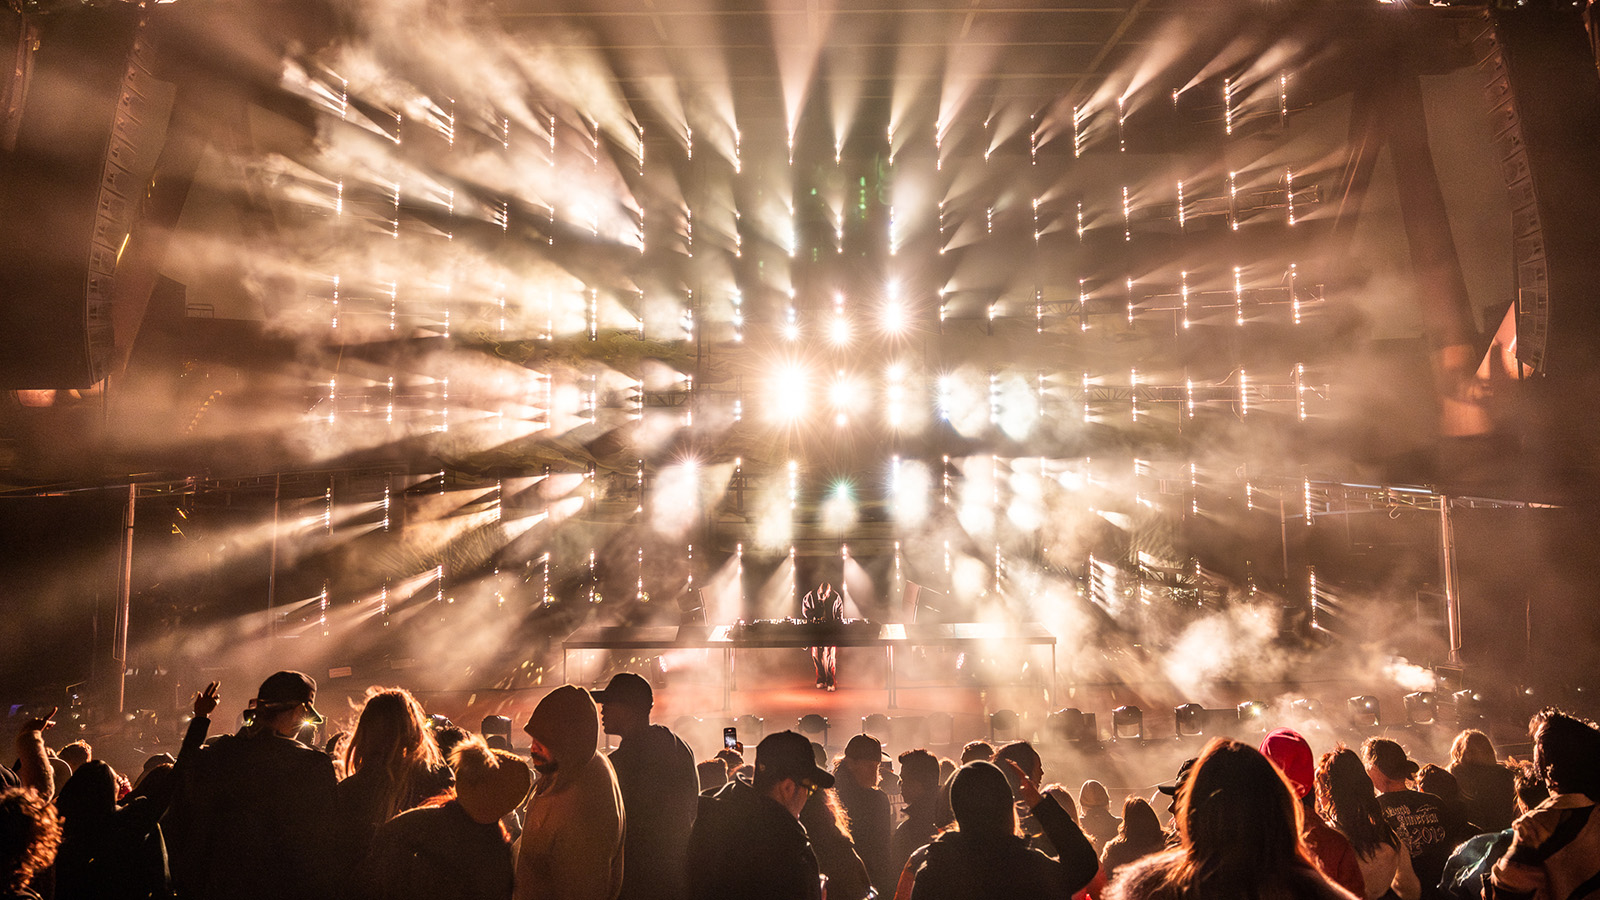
(790, 633)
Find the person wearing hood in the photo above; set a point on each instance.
(660, 790)
(988, 857)
(573, 825)
(1331, 851)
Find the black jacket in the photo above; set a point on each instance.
(121, 854)
(921, 825)
(967, 867)
(745, 846)
(358, 810)
(871, 830)
(660, 790)
(252, 820)
(437, 853)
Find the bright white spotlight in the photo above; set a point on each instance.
(894, 317)
(787, 390)
(839, 332)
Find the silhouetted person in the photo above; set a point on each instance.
(30, 832)
(453, 847)
(1469, 866)
(1018, 759)
(1239, 836)
(1438, 781)
(1138, 835)
(1555, 852)
(1330, 850)
(919, 788)
(1420, 817)
(987, 857)
(76, 754)
(392, 763)
(1487, 787)
(831, 839)
(713, 775)
(1347, 801)
(1094, 814)
(824, 605)
(748, 843)
(252, 816)
(112, 852)
(656, 774)
(572, 831)
(867, 806)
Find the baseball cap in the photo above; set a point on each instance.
(1183, 778)
(864, 746)
(626, 687)
(1389, 758)
(1289, 751)
(284, 689)
(787, 754)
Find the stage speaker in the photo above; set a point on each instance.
(1544, 95)
(89, 124)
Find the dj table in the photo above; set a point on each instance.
(782, 634)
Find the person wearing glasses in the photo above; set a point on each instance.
(748, 843)
(251, 816)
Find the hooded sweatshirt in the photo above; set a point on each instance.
(571, 845)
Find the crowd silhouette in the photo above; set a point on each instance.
(407, 805)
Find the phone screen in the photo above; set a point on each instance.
(730, 737)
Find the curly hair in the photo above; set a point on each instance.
(30, 833)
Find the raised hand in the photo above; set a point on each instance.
(1028, 791)
(41, 724)
(205, 702)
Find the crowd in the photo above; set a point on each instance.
(404, 808)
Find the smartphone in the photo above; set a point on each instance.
(730, 737)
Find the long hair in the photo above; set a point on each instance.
(1346, 798)
(1471, 747)
(1140, 828)
(393, 735)
(1238, 824)
(88, 799)
(824, 811)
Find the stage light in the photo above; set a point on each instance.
(1470, 711)
(1421, 707)
(1364, 711)
(1253, 715)
(1074, 726)
(839, 332)
(1127, 723)
(812, 725)
(1307, 708)
(894, 317)
(1003, 725)
(788, 393)
(1186, 719)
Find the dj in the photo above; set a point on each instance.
(824, 605)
